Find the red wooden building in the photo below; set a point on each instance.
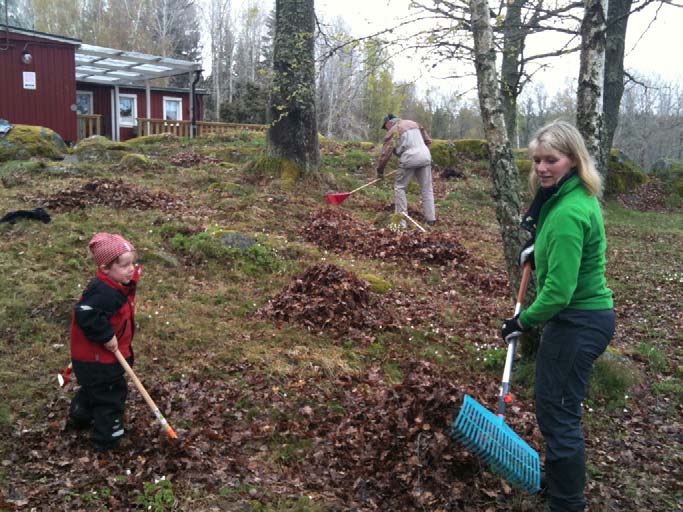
(78, 89)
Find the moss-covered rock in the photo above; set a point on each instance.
(101, 149)
(623, 175)
(136, 162)
(448, 153)
(473, 149)
(521, 154)
(670, 172)
(443, 153)
(677, 186)
(161, 138)
(24, 142)
(377, 284)
(274, 168)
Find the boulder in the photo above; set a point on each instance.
(101, 149)
(623, 174)
(670, 172)
(24, 142)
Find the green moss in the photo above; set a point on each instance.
(153, 139)
(443, 153)
(524, 167)
(623, 175)
(670, 172)
(677, 186)
(101, 149)
(268, 167)
(136, 162)
(24, 142)
(377, 284)
(473, 149)
(521, 154)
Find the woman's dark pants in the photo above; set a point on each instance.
(570, 343)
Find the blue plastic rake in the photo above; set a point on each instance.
(487, 436)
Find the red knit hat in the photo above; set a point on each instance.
(106, 247)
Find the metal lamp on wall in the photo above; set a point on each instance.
(26, 57)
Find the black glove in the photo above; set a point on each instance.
(511, 327)
(526, 253)
(380, 174)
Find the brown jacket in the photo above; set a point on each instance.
(409, 141)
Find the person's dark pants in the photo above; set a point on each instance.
(101, 405)
(570, 343)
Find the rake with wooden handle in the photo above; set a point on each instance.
(157, 413)
(339, 198)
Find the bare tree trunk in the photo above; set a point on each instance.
(591, 80)
(503, 169)
(293, 133)
(617, 20)
(511, 69)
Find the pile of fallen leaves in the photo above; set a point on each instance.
(365, 444)
(116, 194)
(336, 230)
(390, 449)
(649, 197)
(329, 297)
(191, 159)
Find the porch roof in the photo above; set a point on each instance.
(101, 65)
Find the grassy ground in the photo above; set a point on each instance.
(284, 417)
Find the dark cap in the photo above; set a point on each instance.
(389, 117)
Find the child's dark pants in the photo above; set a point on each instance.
(571, 342)
(102, 405)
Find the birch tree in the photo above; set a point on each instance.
(293, 131)
(222, 45)
(591, 80)
(504, 172)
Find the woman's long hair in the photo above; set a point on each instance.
(565, 138)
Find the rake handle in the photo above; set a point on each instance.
(371, 182)
(504, 397)
(157, 413)
(414, 222)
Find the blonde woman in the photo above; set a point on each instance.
(573, 301)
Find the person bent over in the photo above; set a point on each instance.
(409, 141)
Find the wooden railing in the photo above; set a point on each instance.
(89, 124)
(156, 126)
(206, 127)
(182, 128)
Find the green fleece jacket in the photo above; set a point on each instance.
(569, 252)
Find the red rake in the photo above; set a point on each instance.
(337, 199)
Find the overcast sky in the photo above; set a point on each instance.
(659, 49)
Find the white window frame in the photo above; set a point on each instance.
(125, 121)
(90, 95)
(178, 100)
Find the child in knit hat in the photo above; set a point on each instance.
(103, 322)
